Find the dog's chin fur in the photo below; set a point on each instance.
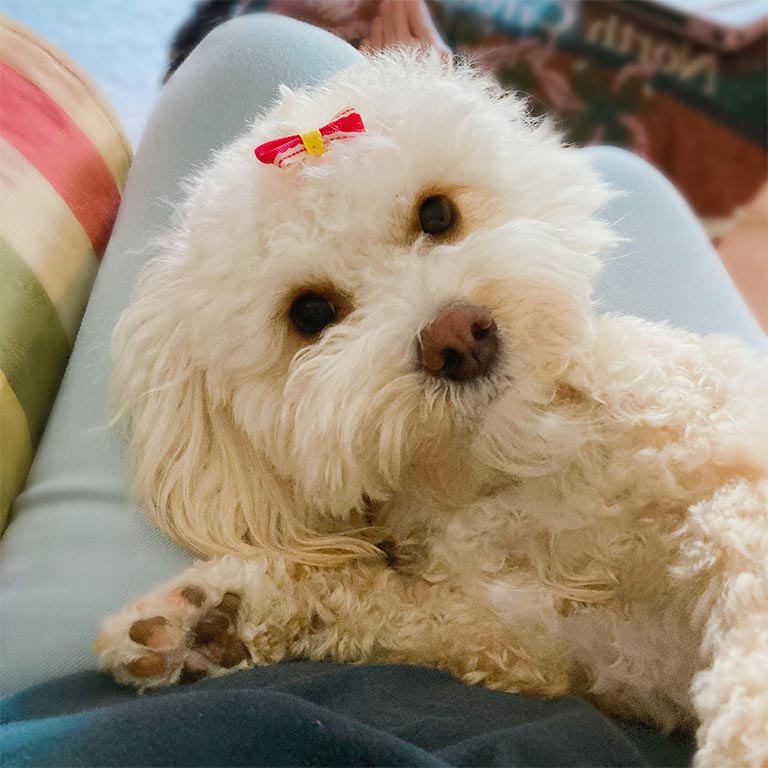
(585, 471)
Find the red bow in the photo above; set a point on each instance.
(289, 149)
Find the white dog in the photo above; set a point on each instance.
(370, 386)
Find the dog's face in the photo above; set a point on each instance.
(402, 306)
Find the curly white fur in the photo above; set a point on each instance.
(589, 518)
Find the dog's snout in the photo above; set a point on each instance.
(460, 344)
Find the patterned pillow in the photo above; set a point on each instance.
(63, 163)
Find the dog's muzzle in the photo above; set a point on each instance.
(460, 344)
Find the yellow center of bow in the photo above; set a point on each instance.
(313, 142)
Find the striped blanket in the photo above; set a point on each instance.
(63, 163)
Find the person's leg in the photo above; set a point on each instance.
(666, 270)
(76, 549)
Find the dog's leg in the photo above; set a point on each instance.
(729, 542)
(229, 614)
(386, 617)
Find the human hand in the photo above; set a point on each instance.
(405, 22)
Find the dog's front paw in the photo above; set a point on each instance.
(177, 636)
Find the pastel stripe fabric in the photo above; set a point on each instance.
(63, 163)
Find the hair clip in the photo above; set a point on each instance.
(290, 149)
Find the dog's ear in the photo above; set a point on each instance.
(195, 470)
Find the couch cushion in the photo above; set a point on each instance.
(64, 159)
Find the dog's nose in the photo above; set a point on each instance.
(460, 344)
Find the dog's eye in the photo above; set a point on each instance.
(436, 215)
(310, 313)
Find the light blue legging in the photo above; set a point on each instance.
(76, 547)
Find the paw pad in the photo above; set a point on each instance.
(154, 632)
(211, 642)
(193, 595)
(152, 665)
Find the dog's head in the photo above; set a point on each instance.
(403, 305)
